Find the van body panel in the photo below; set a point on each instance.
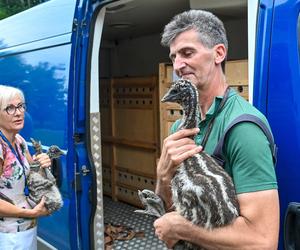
(44, 74)
(45, 63)
(55, 18)
(277, 92)
(53, 41)
(283, 104)
(261, 62)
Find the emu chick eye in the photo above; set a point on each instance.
(174, 91)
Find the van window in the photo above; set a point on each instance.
(11, 7)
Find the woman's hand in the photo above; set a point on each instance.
(38, 210)
(43, 159)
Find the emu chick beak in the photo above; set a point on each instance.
(170, 96)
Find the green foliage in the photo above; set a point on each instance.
(2, 13)
(11, 7)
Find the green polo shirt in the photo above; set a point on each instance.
(247, 154)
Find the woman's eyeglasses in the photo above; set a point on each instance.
(11, 109)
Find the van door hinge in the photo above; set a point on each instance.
(83, 28)
(83, 24)
(75, 24)
(78, 137)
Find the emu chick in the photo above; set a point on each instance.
(41, 182)
(202, 191)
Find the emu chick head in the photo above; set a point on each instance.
(185, 93)
(54, 152)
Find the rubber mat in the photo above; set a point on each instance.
(119, 213)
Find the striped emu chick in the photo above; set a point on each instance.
(202, 191)
(41, 182)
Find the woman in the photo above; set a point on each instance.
(17, 218)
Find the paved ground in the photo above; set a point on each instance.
(41, 245)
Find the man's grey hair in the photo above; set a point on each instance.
(209, 27)
(7, 93)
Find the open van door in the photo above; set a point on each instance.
(43, 51)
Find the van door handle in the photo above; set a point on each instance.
(84, 170)
(292, 227)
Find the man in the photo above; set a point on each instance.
(198, 49)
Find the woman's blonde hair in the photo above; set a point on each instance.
(7, 93)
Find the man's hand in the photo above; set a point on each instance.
(165, 227)
(176, 148)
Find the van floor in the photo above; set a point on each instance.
(119, 213)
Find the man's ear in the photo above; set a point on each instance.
(220, 53)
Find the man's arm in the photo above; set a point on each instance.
(257, 227)
(258, 224)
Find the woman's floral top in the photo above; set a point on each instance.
(12, 183)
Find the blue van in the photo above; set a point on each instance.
(61, 51)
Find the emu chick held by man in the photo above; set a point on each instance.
(200, 180)
(202, 191)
